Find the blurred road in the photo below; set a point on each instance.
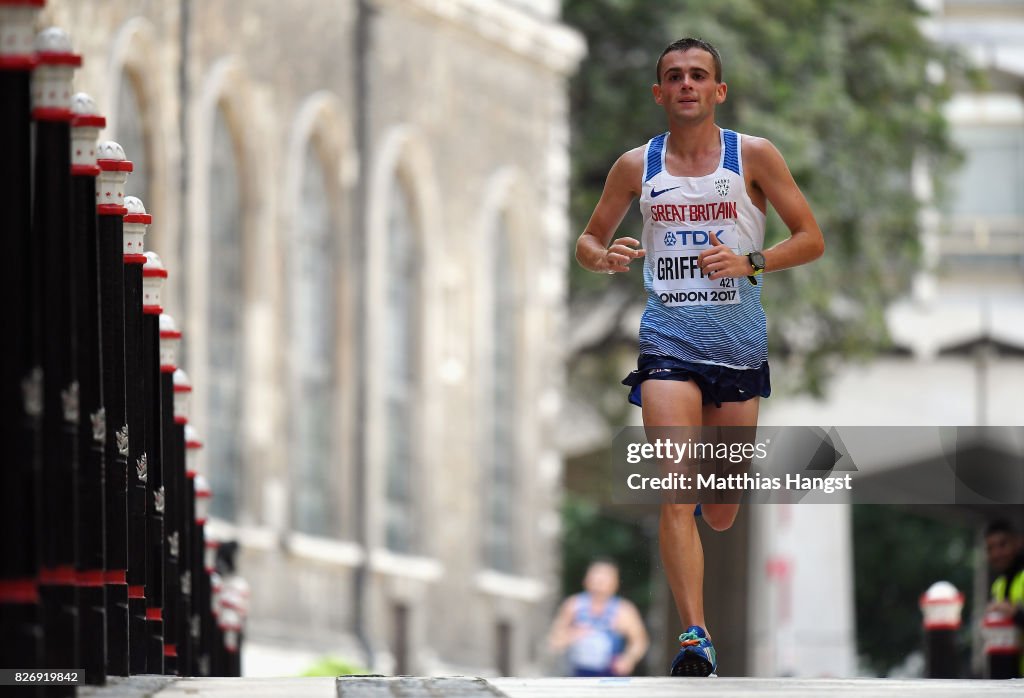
(465, 687)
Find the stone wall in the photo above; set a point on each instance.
(465, 103)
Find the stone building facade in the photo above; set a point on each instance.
(363, 208)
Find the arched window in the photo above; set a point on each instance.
(501, 453)
(226, 301)
(311, 327)
(131, 134)
(399, 366)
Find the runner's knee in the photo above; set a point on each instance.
(720, 517)
(678, 513)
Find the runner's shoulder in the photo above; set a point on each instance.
(628, 170)
(632, 159)
(758, 152)
(626, 606)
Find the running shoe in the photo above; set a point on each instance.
(696, 656)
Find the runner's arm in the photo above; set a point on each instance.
(620, 188)
(561, 635)
(631, 625)
(769, 173)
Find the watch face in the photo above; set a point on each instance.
(757, 260)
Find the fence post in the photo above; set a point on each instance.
(164, 542)
(140, 491)
(201, 591)
(20, 613)
(1002, 646)
(51, 110)
(941, 606)
(215, 637)
(114, 169)
(176, 588)
(153, 277)
(234, 607)
(92, 614)
(192, 446)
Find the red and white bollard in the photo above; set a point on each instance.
(121, 585)
(941, 607)
(53, 264)
(177, 518)
(91, 565)
(203, 626)
(182, 399)
(20, 373)
(234, 608)
(163, 653)
(195, 537)
(110, 185)
(144, 595)
(170, 342)
(1002, 646)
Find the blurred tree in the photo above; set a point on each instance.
(850, 93)
(591, 532)
(897, 555)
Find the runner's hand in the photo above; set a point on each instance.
(618, 256)
(623, 665)
(721, 262)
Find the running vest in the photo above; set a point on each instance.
(689, 316)
(595, 650)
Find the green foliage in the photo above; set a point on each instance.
(589, 533)
(334, 666)
(842, 89)
(897, 556)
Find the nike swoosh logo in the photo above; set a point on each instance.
(655, 193)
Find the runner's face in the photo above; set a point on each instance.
(688, 91)
(601, 580)
(1001, 549)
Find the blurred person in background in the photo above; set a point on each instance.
(704, 193)
(1005, 553)
(603, 634)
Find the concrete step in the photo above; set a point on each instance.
(468, 687)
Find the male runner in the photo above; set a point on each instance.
(603, 632)
(703, 344)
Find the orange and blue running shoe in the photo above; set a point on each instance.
(697, 656)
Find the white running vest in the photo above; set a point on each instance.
(689, 316)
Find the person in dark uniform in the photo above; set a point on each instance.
(1005, 553)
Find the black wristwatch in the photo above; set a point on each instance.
(756, 260)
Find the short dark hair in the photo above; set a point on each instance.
(999, 526)
(603, 560)
(685, 45)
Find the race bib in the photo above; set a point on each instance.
(594, 651)
(677, 278)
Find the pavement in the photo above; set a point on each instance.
(469, 687)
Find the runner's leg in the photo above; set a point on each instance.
(668, 403)
(721, 516)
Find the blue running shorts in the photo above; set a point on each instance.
(717, 384)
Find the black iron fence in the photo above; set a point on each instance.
(105, 566)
